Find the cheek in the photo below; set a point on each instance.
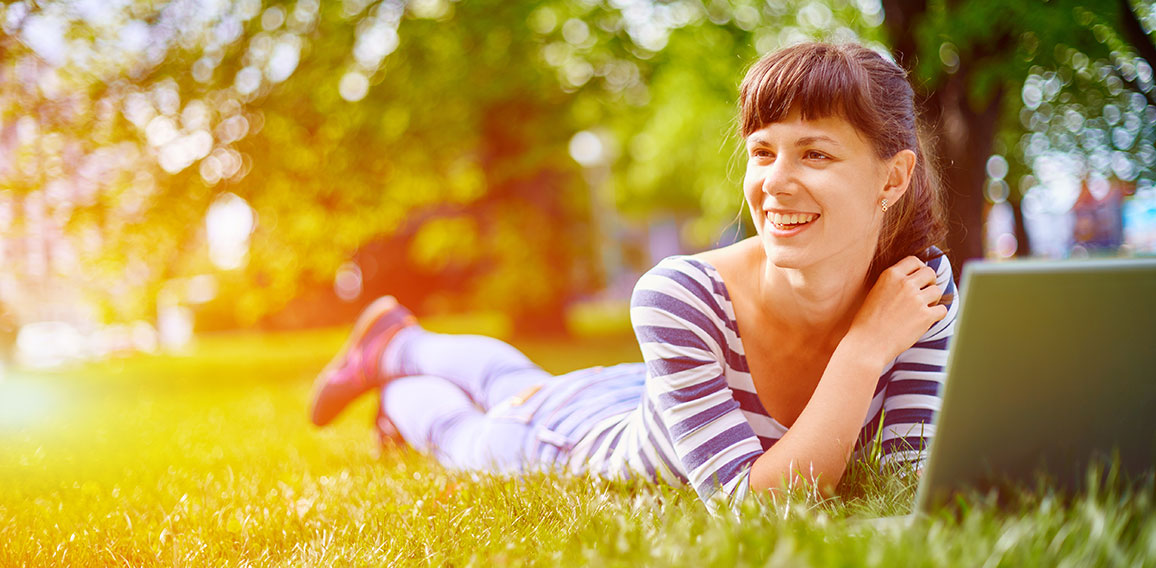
(755, 206)
(752, 189)
(752, 194)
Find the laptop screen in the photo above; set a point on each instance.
(1052, 367)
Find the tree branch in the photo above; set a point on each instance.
(1134, 32)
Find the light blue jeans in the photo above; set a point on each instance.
(457, 398)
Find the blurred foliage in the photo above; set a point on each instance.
(427, 141)
(437, 130)
(1025, 80)
(296, 108)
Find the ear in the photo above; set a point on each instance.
(900, 168)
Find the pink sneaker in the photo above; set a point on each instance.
(356, 369)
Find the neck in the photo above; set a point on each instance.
(818, 301)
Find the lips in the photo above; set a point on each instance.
(788, 221)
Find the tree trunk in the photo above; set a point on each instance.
(964, 137)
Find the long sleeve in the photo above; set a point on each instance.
(914, 383)
(683, 334)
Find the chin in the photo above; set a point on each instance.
(784, 256)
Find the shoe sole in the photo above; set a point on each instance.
(369, 317)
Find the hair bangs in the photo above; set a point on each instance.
(819, 83)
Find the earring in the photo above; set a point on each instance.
(884, 205)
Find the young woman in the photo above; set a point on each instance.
(766, 362)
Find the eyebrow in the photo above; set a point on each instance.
(804, 141)
(808, 140)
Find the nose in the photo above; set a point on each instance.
(779, 178)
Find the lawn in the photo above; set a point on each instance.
(208, 459)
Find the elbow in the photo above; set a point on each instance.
(806, 478)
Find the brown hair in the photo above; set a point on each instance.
(871, 93)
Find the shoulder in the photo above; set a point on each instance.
(678, 277)
(944, 277)
(938, 260)
(940, 331)
(680, 293)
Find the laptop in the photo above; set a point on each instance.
(1052, 368)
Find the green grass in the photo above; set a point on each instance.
(209, 459)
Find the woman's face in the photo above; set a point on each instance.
(815, 188)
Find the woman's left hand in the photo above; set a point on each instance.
(901, 306)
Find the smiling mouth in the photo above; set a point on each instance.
(789, 221)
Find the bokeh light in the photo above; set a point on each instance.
(587, 149)
(354, 86)
(229, 223)
(24, 401)
(347, 283)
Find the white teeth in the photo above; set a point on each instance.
(791, 218)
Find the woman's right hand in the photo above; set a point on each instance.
(899, 309)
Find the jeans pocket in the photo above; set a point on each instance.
(520, 408)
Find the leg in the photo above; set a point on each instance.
(487, 369)
(434, 416)
(355, 369)
(387, 343)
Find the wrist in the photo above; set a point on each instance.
(866, 354)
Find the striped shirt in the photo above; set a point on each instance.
(700, 421)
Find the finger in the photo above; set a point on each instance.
(908, 265)
(931, 295)
(926, 276)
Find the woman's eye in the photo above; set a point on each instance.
(813, 155)
(760, 153)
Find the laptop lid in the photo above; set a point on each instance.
(1052, 366)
